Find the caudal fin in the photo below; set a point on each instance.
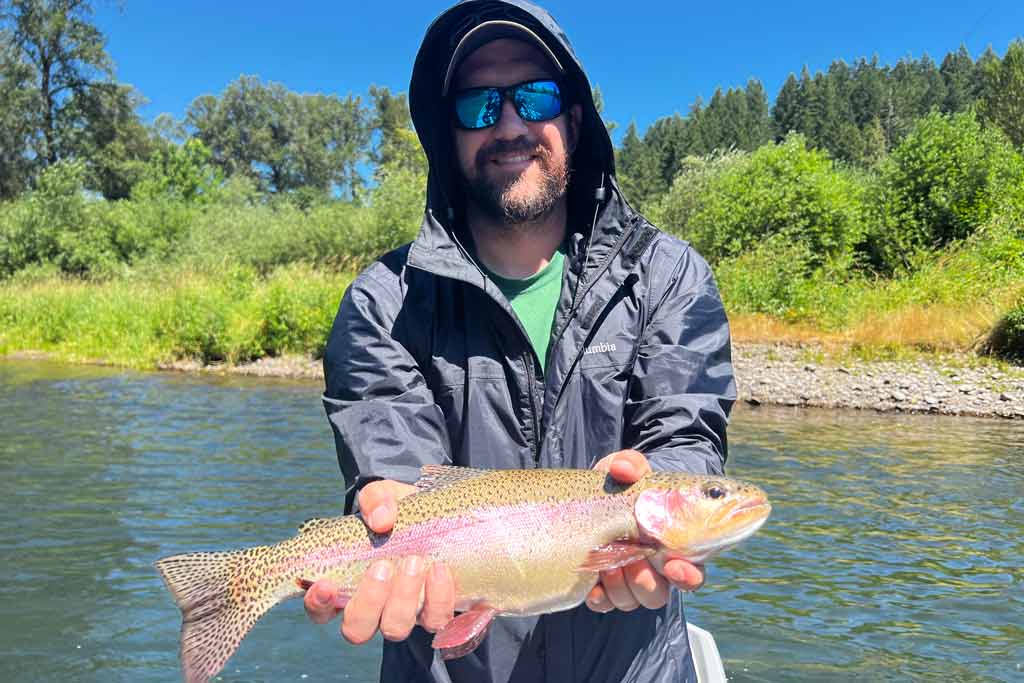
(219, 603)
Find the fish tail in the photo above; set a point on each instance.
(221, 598)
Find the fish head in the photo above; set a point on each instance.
(698, 517)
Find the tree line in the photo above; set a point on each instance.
(60, 100)
(857, 113)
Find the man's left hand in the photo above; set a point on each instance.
(638, 584)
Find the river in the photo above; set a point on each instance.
(895, 550)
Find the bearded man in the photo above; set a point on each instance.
(536, 321)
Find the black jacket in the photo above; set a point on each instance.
(427, 363)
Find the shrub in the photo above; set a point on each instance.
(296, 311)
(1006, 340)
(180, 172)
(765, 279)
(729, 204)
(949, 176)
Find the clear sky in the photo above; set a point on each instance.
(650, 58)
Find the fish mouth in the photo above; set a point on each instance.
(737, 534)
(756, 503)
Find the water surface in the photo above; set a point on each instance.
(895, 550)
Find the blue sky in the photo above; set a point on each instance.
(650, 58)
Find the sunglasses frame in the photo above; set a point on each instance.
(508, 93)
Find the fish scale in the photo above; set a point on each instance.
(517, 542)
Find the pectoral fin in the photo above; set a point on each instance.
(463, 633)
(614, 555)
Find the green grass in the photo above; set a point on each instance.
(158, 315)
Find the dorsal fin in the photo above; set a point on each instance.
(438, 476)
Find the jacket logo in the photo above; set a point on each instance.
(598, 348)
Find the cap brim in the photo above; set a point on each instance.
(488, 31)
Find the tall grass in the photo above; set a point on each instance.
(158, 315)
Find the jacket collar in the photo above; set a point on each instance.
(437, 250)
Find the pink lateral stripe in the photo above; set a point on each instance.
(427, 537)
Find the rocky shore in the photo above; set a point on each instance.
(802, 376)
(947, 385)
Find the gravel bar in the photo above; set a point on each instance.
(953, 384)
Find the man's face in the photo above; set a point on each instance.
(516, 170)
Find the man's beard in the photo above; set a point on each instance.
(503, 200)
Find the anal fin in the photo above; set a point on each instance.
(615, 554)
(464, 633)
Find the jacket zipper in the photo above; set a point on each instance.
(528, 359)
(589, 283)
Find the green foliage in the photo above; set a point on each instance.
(73, 107)
(282, 139)
(180, 172)
(108, 137)
(60, 224)
(1007, 339)
(397, 146)
(726, 205)
(165, 313)
(766, 279)
(18, 103)
(1002, 85)
(297, 319)
(945, 179)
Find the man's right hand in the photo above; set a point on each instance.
(388, 596)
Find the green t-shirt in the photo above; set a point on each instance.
(534, 299)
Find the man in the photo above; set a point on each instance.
(536, 321)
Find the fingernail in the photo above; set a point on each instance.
(412, 565)
(380, 516)
(381, 571)
(438, 572)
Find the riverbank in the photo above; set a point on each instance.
(805, 376)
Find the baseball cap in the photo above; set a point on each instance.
(493, 30)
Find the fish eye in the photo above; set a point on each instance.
(714, 491)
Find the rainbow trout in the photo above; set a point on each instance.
(518, 542)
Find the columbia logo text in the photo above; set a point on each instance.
(598, 348)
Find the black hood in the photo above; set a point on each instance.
(593, 161)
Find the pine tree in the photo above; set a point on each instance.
(759, 122)
(1002, 102)
(786, 112)
(868, 92)
(957, 69)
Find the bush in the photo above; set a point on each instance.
(296, 312)
(729, 204)
(1006, 340)
(767, 279)
(949, 176)
(180, 172)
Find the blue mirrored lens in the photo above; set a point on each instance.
(538, 101)
(478, 108)
(534, 101)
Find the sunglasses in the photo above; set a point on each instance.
(477, 108)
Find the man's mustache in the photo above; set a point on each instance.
(521, 145)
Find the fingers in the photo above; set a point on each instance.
(598, 601)
(684, 575)
(617, 591)
(648, 587)
(320, 601)
(399, 613)
(637, 584)
(626, 466)
(378, 503)
(362, 614)
(439, 601)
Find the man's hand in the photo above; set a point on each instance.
(389, 595)
(638, 583)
